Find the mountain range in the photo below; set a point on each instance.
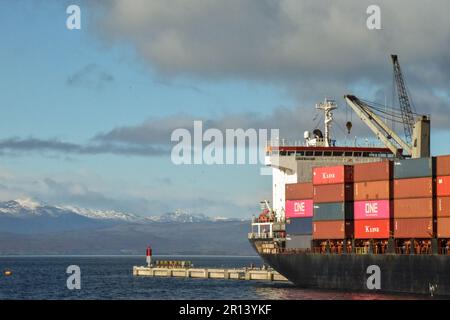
(31, 227)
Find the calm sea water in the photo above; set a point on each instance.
(111, 278)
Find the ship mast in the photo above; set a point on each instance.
(327, 106)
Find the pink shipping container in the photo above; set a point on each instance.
(299, 208)
(375, 209)
(332, 175)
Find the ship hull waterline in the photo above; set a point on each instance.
(401, 274)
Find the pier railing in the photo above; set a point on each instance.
(211, 273)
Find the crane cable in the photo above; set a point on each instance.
(395, 115)
(379, 106)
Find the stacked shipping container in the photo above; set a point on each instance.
(413, 198)
(372, 196)
(404, 198)
(298, 213)
(443, 196)
(333, 202)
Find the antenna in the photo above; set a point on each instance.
(327, 106)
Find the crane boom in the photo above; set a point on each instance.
(405, 105)
(378, 127)
(417, 131)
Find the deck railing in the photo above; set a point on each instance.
(417, 250)
(358, 250)
(254, 235)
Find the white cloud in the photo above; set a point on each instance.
(276, 39)
(313, 48)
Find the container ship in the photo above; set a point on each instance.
(358, 218)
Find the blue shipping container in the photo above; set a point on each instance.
(298, 241)
(414, 168)
(333, 211)
(299, 226)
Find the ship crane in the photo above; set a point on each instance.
(420, 147)
(404, 101)
(417, 131)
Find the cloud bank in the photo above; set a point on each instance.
(16, 146)
(313, 48)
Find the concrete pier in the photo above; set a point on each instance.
(209, 273)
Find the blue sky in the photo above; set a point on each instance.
(121, 71)
(38, 56)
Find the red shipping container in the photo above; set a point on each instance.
(299, 208)
(443, 186)
(373, 190)
(298, 191)
(333, 193)
(413, 228)
(413, 188)
(372, 209)
(332, 175)
(413, 208)
(373, 171)
(332, 229)
(443, 165)
(372, 229)
(443, 227)
(443, 206)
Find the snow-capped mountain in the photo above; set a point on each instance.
(101, 214)
(182, 216)
(24, 208)
(31, 216)
(26, 203)
(19, 207)
(33, 227)
(179, 216)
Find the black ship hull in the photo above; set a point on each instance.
(412, 274)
